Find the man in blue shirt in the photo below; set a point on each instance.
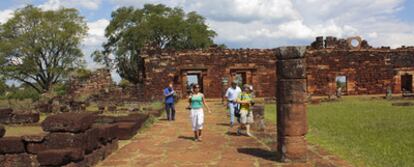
(169, 102)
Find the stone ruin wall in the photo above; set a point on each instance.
(368, 70)
(163, 67)
(99, 80)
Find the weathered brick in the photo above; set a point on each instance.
(59, 157)
(60, 140)
(290, 52)
(126, 130)
(11, 145)
(18, 160)
(69, 122)
(292, 69)
(291, 91)
(293, 149)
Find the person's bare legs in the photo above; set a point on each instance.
(240, 129)
(248, 130)
(195, 135)
(199, 135)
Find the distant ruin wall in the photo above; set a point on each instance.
(211, 66)
(99, 80)
(367, 70)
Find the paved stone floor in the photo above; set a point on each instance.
(168, 144)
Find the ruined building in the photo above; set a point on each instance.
(360, 68)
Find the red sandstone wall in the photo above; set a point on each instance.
(163, 67)
(100, 79)
(368, 70)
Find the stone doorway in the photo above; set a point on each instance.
(341, 83)
(407, 83)
(190, 78)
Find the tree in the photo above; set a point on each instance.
(3, 86)
(39, 48)
(157, 26)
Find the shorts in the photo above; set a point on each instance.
(246, 117)
(197, 118)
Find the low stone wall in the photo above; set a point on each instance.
(10, 116)
(125, 126)
(71, 140)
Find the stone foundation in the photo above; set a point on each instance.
(10, 116)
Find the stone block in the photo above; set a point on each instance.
(18, 160)
(59, 157)
(291, 91)
(125, 130)
(60, 140)
(136, 117)
(105, 119)
(92, 139)
(292, 149)
(69, 122)
(33, 138)
(2, 131)
(290, 52)
(21, 117)
(107, 132)
(5, 115)
(34, 148)
(291, 69)
(11, 145)
(294, 119)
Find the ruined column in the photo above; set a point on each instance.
(291, 104)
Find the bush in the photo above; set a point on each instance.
(60, 88)
(24, 93)
(82, 74)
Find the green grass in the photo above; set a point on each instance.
(363, 131)
(17, 130)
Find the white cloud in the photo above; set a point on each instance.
(56, 4)
(6, 15)
(96, 32)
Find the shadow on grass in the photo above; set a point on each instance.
(259, 152)
(186, 137)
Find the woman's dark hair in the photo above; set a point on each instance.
(196, 86)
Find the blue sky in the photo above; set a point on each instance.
(260, 23)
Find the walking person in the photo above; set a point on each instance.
(231, 95)
(169, 94)
(197, 102)
(245, 100)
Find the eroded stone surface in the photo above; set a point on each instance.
(69, 122)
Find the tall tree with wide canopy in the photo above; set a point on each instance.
(158, 26)
(39, 48)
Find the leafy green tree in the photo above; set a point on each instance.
(39, 48)
(156, 26)
(3, 86)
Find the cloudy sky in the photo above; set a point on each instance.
(260, 23)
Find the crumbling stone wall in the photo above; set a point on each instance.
(10, 116)
(367, 70)
(71, 140)
(162, 67)
(99, 80)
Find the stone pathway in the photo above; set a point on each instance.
(168, 144)
(171, 144)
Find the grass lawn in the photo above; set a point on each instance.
(17, 130)
(363, 131)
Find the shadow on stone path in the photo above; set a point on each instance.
(171, 144)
